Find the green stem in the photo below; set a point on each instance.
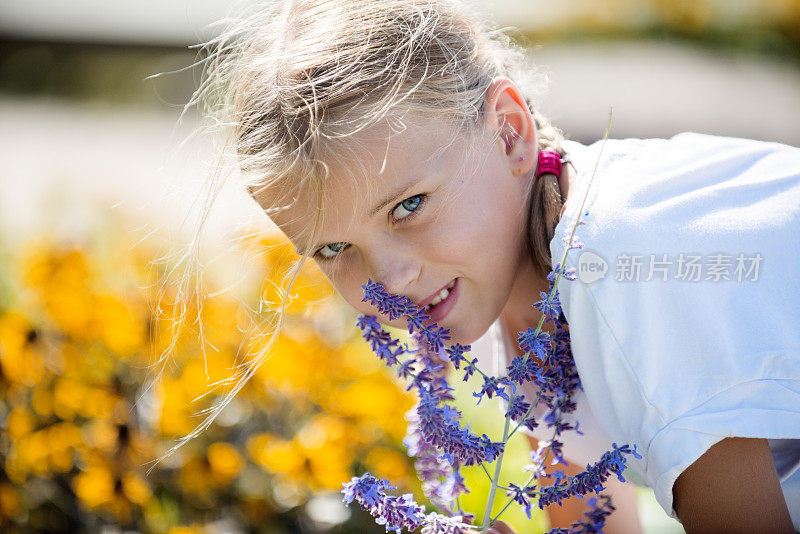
(487, 514)
(530, 479)
(487, 521)
(495, 518)
(483, 466)
(533, 406)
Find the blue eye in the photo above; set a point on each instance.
(407, 207)
(332, 250)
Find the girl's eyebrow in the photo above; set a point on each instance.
(393, 196)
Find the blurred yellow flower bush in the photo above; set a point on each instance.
(79, 338)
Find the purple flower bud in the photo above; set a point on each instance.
(518, 408)
(523, 370)
(552, 309)
(591, 480)
(533, 342)
(439, 524)
(521, 496)
(492, 386)
(456, 353)
(395, 513)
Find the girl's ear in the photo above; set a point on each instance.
(509, 116)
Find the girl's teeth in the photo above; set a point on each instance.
(443, 294)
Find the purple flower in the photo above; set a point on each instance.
(415, 317)
(456, 353)
(381, 341)
(492, 386)
(536, 468)
(406, 369)
(533, 342)
(441, 480)
(575, 242)
(530, 423)
(375, 294)
(443, 446)
(559, 405)
(591, 480)
(439, 427)
(566, 272)
(521, 496)
(523, 370)
(552, 309)
(599, 509)
(436, 336)
(470, 368)
(439, 524)
(395, 513)
(518, 408)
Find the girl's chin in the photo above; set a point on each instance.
(466, 334)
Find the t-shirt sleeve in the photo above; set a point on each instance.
(678, 382)
(672, 363)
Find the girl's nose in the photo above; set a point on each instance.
(395, 269)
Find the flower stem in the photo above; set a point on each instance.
(533, 407)
(530, 479)
(483, 466)
(495, 518)
(487, 514)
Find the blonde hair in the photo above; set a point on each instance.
(294, 79)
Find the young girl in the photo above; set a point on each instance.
(399, 140)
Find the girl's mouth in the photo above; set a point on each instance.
(442, 303)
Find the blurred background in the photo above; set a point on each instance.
(97, 178)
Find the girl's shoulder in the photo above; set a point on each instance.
(673, 153)
(699, 186)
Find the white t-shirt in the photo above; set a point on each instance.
(703, 341)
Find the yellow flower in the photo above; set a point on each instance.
(94, 486)
(30, 452)
(9, 502)
(314, 458)
(101, 434)
(115, 325)
(121, 508)
(64, 438)
(61, 460)
(21, 361)
(194, 529)
(257, 447)
(42, 399)
(19, 423)
(196, 478)
(387, 463)
(135, 488)
(224, 461)
(62, 279)
(176, 409)
(277, 257)
(285, 457)
(68, 397)
(376, 402)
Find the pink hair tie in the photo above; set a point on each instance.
(549, 163)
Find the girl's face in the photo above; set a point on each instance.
(426, 216)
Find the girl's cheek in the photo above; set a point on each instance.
(349, 288)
